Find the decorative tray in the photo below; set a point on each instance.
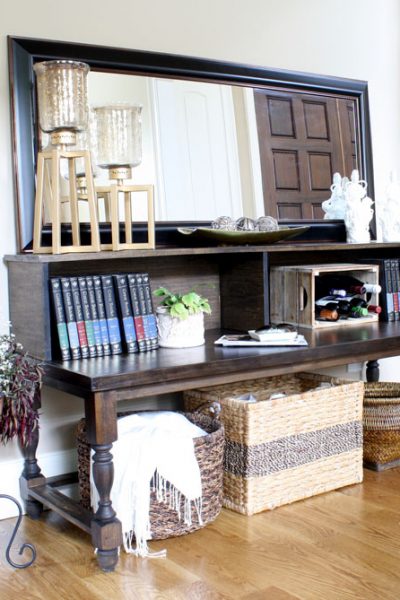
(243, 237)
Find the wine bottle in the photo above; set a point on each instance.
(372, 288)
(354, 307)
(330, 284)
(337, 292)
(357, 289)
(328, 312)
(326, 300)
(360, 303)
(373, 308)
(331, 281)
(344, 309)
(366, 288)
(356, 302)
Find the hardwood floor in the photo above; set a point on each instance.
(340, 545)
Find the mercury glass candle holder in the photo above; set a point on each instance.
(63, 113)
(119, 148)
(62, 98)
(119, 138)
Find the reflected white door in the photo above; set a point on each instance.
(196, 148)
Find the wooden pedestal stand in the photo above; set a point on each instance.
(53, 158)
(111, 195)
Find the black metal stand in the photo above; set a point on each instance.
(14, 533)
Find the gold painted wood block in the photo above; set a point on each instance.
(48, 196)
(112, 202)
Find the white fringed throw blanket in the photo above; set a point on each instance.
(154, 446)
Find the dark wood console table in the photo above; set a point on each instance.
(237, 274)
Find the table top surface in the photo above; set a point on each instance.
(170, 369)
(164, 251)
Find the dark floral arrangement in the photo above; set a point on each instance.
(20, 384)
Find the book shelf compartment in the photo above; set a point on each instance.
(293, 293)
(240, 282)
(31, 310)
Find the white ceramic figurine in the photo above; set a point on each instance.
(389, 213)
(359, 210)
(335, 206)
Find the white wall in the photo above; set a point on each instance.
(347, 38)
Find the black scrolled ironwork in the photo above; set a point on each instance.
(30, 547)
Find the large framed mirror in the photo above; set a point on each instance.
(218, 138)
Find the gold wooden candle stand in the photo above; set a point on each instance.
(111, 195)
(53, 159)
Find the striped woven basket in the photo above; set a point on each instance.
(279, 450)
(164, 521)
(382, 425)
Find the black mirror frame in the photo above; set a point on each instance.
(24, 52)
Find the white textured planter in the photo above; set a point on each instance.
(180, 333)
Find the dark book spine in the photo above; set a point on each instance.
(114, 332)
(389, 289)
(101, 311)
(70, 318)
(143, 311)
(87, 315)
(95, 316)
(382, 295)
(397, 279)
(137, 315)
(395, 288)
(80, 319)
(128, 325)
(61, 322)
(151, 317)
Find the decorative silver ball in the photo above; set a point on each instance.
(245, 224)
(267, 223)
(226, 223)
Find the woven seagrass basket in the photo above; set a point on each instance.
(282, 449)
(164, 521)
(382, 425)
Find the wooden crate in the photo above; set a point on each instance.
(292, 293)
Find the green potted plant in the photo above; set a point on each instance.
(20, 383)
(181, 318)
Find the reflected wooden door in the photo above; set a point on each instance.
(304, 139)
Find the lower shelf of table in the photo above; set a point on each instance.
(45, 490)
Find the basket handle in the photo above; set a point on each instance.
(213, 407)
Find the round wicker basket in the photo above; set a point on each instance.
(381, 423)
(164, 521)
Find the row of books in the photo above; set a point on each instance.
(99, 315)
(389, 279)
(391, 300)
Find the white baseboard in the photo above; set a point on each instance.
(52, 463)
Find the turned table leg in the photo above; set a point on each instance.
(101, 419)
(372, 371)
(31, 472)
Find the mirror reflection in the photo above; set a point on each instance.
(213, 149)
(218, 138)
